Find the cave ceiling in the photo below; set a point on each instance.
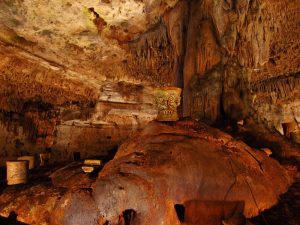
(64, 46)
(65, 51)
(86, 37)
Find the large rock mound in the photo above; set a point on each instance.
(166, 165)
(162, 170)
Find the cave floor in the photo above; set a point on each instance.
(286, 212)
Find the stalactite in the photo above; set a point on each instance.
(38, 122)
(152, 56)
(254, 36)
(207, 55)
(206, 94)
(21, 80)
(283, 86)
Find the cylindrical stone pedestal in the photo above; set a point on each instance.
(17, 172)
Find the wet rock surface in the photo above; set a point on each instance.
(160, 167)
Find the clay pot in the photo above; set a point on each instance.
(17, 172)
(167, 101)
(30, 159)
(87, 169)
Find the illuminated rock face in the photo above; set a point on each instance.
(232, 54)
(91, 67)
(80, 76)
(188, 164)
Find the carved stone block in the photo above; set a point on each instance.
(167, 100)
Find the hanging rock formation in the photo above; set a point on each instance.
(80, 76)
(95, 65)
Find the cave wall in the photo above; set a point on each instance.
(241, 60)
(14, 143)
(86, 79)
(33, 120)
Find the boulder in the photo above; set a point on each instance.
(170, 164)
(168, 173)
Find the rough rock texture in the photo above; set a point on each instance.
(287, 211)
(239, 52)
(97, 62)
(91, 130)
(82, 34)
(258, 136)
(70, 60)
(163, 165)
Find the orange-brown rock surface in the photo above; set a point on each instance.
(98, 62)
(162, 166)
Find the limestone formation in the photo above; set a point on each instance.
(79, 77)
(233, 60)
(161, 168)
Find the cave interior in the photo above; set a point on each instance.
(149, 112)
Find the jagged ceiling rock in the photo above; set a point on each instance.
(25, 79)
(156, 41)
(89, 63)
(82, 35)
(74, 55)
(97, 38)
(282, 18)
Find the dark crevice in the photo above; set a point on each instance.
(92, 10)
(258, 162)
(180, 211)
(235, 179)
(129, 215)
(11, 220)
(76, 156)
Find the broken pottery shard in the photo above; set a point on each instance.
(167, 100)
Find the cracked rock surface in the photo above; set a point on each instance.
(163, 165)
